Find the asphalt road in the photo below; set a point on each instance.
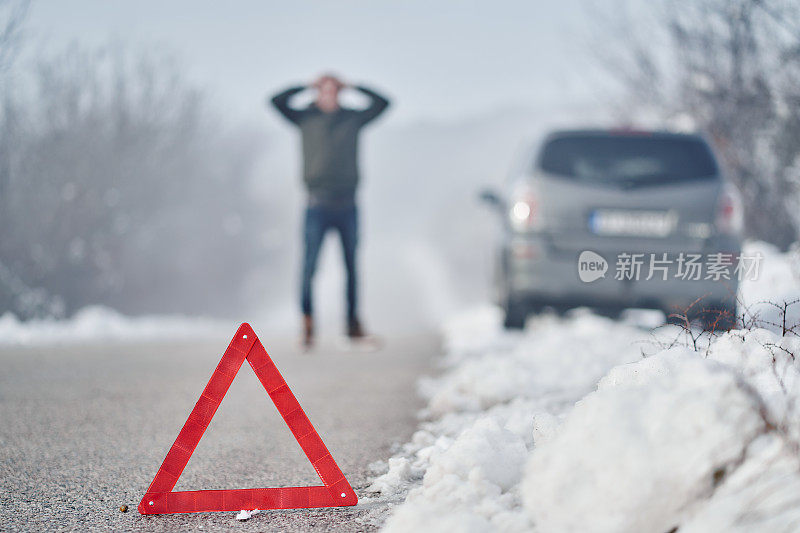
(83, 430)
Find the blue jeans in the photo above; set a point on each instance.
(319, 219)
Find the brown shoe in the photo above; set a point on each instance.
(354, 329)
(359, 340)
(308, 332)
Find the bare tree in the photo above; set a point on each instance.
(125, 190)
(12, 15)
(733, 67)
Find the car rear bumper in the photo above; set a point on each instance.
(535, 274)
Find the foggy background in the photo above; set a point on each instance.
(141, 169)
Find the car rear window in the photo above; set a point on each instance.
(628, 160)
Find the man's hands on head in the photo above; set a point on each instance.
(329, 80)
(328, 87)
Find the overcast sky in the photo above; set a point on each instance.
(438, 59)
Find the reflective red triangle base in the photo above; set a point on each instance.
(335, 490)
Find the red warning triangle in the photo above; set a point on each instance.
(335, 490)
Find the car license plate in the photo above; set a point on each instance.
(632, 223)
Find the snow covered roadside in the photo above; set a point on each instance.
(778, 283)
(101, 323)
(585, 424)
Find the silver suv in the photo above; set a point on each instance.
(616, 219)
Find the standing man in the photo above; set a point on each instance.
(330, 173)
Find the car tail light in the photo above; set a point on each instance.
(730, 214)
(523, 210)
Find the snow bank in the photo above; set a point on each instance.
(586, 424)
(650, 442)
(540, 363)
(502, 392)
(778, 283)
(650, 448)
(101, 323)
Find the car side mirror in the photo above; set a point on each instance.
(492, 199)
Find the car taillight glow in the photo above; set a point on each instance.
(521, 210)
(522, 214)
(730, 215)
